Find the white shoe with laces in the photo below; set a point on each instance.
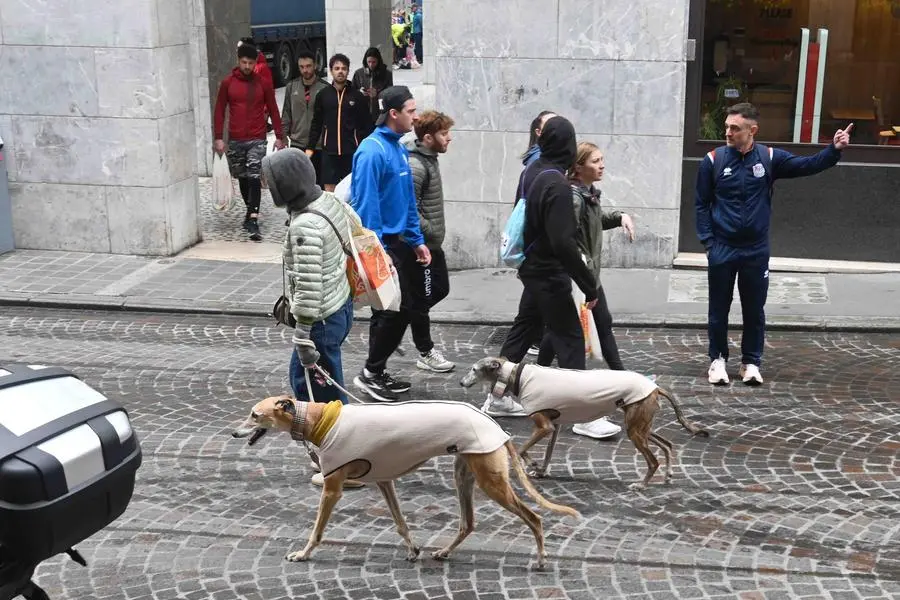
(717, 373)
(598, 429)
(750, 374)
(503, 407)
(434, 361)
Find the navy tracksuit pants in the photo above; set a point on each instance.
(750, 267)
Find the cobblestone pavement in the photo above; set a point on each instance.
(794, 495)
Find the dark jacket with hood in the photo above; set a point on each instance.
(550, 226)
(592, 222)
(247, 99)
(314, 259)
(379, 78)
(341, 119)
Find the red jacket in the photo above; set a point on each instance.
(262, 69)
(247, 98)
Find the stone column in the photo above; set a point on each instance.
(352, 26)
(98, 120)
(216, 27)
(615, 68)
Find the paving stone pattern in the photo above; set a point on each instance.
(226, 226)
(784, 288)
(793, 496)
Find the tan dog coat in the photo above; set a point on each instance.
(580, 396)
(396, 438)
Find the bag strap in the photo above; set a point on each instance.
(344, 246)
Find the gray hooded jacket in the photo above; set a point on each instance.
(314, 260)
(429, 192)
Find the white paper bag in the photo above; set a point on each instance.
(222, 191)
(342, 190)
(588, 325)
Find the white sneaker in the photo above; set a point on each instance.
(503, 407)
(750, 375)
(717, 373)
(434, 361)
(534, 350)
(597, 429)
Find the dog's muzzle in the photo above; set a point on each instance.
(254, 434)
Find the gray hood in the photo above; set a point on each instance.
(291, 178)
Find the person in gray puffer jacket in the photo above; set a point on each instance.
(429, 284)
(315, 269)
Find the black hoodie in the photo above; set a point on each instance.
(550, 227)
(379, 78)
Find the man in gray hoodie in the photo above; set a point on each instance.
(430, 283)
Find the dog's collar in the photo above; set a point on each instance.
(507, 380)
(297, 425)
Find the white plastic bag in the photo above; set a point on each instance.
(342, 190)
(222, 191)
(588, 325)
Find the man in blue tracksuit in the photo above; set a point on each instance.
(734, 205)
(384, 198)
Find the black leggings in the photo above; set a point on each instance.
(608, 346)
(251, 192)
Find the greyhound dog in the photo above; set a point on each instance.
(554, 397)
(380, 442)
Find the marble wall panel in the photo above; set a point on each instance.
(87, 150)
(655, 243)
(623, 30)
(483, 166)
(60, 217)
(129, 23)
(512, 28)
(143, 83)
(649, 98)
(473, 233)
(137, 220)
(9, 145)
(505, 95)
(182, 214)
(172, 19)
(177, 147)
(48, 80)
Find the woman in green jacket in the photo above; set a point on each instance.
(592, 222)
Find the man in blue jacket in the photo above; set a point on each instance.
(734, 206)
(384, 198)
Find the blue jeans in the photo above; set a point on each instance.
(327, 335)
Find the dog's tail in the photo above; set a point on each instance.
(695, 430)
(532, 491)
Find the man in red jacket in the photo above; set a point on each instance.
(248, 97)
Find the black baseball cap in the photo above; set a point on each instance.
(393, 97)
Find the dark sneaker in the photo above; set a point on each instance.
(246, 222)
(253, 230)
(398, 387)
(375, 386)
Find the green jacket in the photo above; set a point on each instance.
(592, 222)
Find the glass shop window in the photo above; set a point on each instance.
(810, 66)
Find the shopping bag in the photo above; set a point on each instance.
(376, 280)
(588, 325)
(222, 191)
(270, 149)
(342, 189)
(373, 280)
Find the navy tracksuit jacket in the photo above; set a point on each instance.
(734, 209)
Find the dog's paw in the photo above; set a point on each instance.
(413, 554)
(637, 486)
(536, 473)
(299, 556)
(442, 554)
(541, 563)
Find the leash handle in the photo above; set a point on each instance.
(327, 378)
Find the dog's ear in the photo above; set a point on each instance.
(286, 405)
(494, 364)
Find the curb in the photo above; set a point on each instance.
(800, 323)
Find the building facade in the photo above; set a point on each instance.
(105, 114)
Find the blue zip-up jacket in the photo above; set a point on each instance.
(382, 187)
(736, 208)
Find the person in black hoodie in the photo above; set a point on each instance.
(342, 113)
(552, 260)
(372, 78)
